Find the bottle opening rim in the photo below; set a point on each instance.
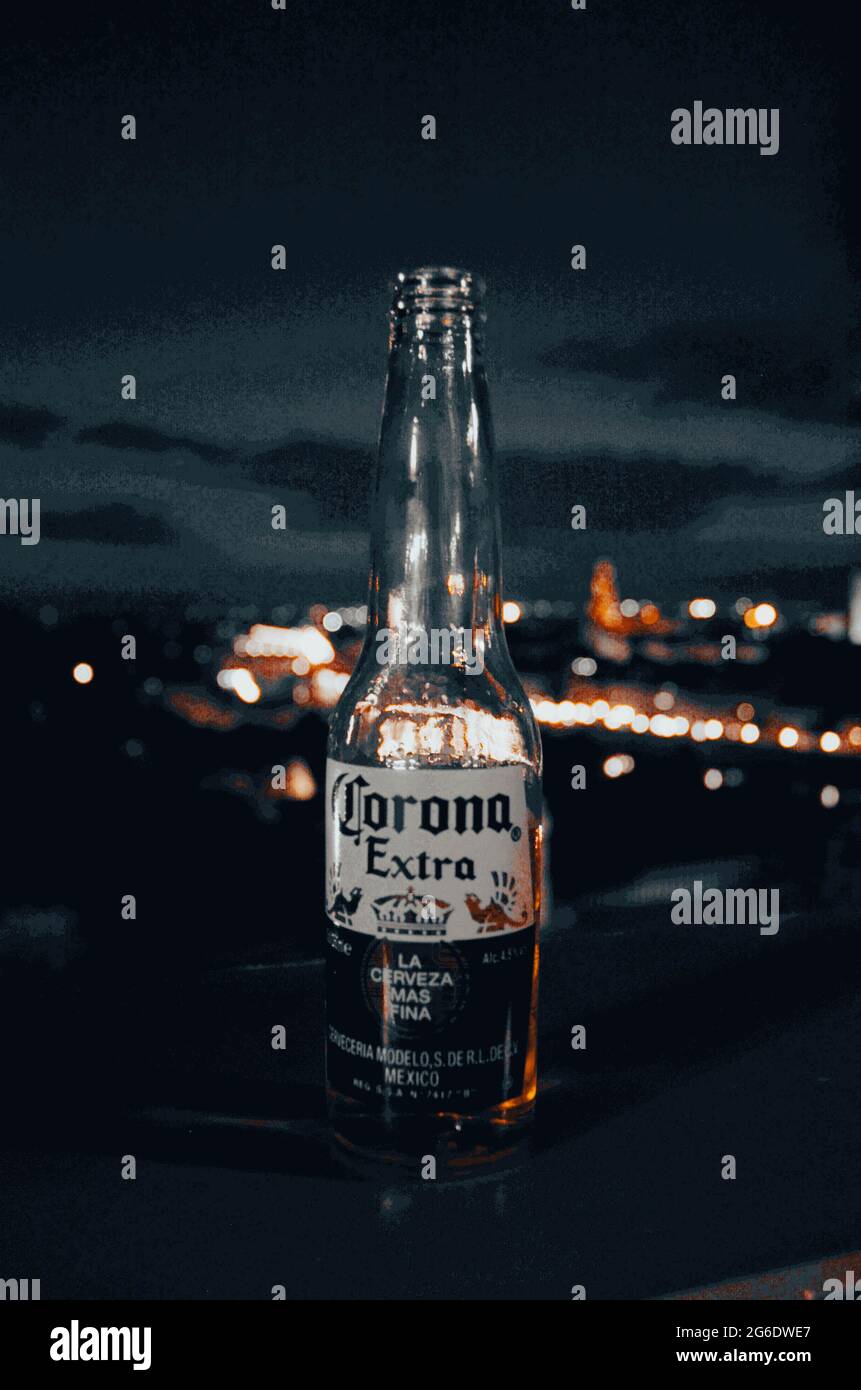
(429, 288)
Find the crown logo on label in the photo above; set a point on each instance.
(411, 914)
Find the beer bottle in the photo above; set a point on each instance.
(433, 783)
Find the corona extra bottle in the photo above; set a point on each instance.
(433, 786)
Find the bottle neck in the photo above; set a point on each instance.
(435, 539)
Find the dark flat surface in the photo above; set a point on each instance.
(701, 1042)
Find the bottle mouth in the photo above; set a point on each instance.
(437, 289)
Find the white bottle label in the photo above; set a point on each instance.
(428, 854)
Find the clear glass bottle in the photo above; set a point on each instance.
(433, 782)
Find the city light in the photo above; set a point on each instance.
(662, 725)
(618, 765)
(713, 778)
(328, 686)
(303, 659)
(241, 682)
(265, 640)
(621, 714)
(829, 796)
(702, 608)
(83, 673)
(299, 784)
(761, 615)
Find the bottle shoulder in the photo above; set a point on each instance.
(435, 717)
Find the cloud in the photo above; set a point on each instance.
(803, 371)
(120, 434)
(210, 536)
(337, 475)
(841, 479)
(673, 494)
(26, 426)
(115, 523)
(648, 493)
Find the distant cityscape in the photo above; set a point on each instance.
(306, 663)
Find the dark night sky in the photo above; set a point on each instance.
(303, 127)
